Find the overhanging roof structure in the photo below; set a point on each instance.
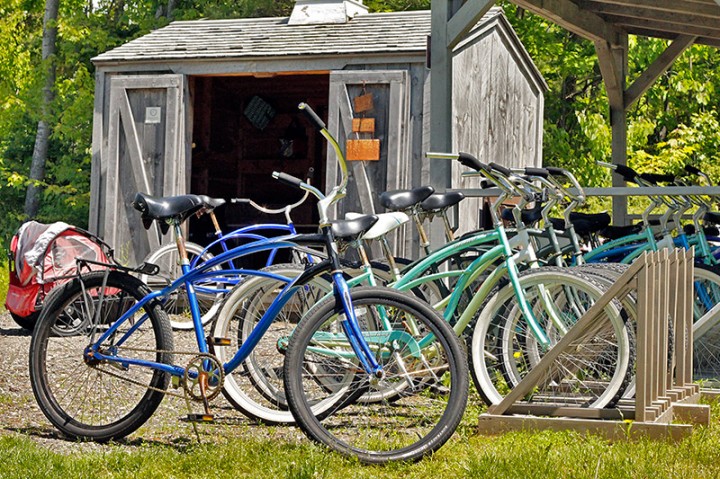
(607, 23)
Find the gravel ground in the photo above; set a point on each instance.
(20, 414)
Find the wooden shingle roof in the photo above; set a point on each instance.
(398, 32)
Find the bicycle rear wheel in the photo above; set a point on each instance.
(84, 397)
(592, 372)
(209, 293)
(321, 372)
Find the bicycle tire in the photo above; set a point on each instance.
(75, 392)
(412, 426)
(176, 305)
(706, 339)
(503, 350)
(255, 388)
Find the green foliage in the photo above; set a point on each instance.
(673, 124)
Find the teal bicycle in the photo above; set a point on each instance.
(549, 302)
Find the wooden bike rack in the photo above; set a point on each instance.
(662, 401)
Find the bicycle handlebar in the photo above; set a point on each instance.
(312, 116)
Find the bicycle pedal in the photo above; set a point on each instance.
(219, 341)
(201, 418)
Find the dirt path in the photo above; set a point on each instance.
(20, 415)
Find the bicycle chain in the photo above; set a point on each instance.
(147, 386)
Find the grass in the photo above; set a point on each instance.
(3, 281)
(536, 455)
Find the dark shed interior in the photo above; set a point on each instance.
(246, 127)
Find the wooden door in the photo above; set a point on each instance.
(389, 91)
(146, 152)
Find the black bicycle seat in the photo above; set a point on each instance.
(712, 217)
(616, 232)
(400, 200)
(439, 201)
(584, 223)
(350, 230)
(212, 203)
(167, 207)
(528, 216)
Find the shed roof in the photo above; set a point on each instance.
(399, 32)
(372, 33)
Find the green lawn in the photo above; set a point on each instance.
(515, 455)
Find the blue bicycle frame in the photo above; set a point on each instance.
(204, 272)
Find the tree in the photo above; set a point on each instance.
(42, 139)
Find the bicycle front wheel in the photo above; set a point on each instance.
(255, 388)
(421, 359)
(93, 399)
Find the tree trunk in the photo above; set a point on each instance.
(40, 152)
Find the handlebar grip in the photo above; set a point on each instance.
(287, 179)
(319, 124)
(626, 172)
(501, 169)
(539, 172)
(466, 159)
(692, 170)
(555, 171)
(657, 178)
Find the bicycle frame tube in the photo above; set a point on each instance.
(621, 246)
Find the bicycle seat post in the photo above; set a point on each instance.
(216, 225)
(180, 242)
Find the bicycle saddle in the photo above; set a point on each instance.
(712, 217)
(439, 201)
(398, 200)
(177, 208)
(616, 232)
(527, 216)
(212, 203)
(689, 229)
(385, 224)
(350, 230)
(584, 223)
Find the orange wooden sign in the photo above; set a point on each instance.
(362, 150)
(363, 125)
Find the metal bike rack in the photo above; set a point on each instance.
(665, 400)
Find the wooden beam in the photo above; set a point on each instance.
(631, 12)
(612, 74)
(571, 17)
(465, 19)
(665, 28)
(711, 42)
(657, 68)
(709, 9)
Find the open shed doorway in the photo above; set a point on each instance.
(246, 127)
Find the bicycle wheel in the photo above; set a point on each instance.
(209, 293)
(321, 372)
(706, 329)
(593, 371)
(87, 398)
(255, 388)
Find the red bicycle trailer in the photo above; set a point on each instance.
(43, 256)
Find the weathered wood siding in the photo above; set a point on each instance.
(134, 154)
(497, 111)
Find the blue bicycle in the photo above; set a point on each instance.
(108, 370)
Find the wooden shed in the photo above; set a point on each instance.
(210, 107)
